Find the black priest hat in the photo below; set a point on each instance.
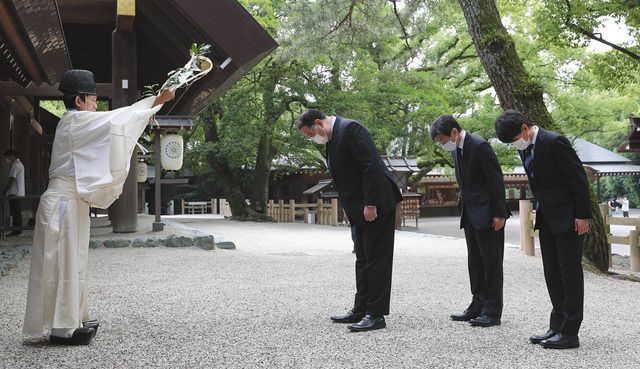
(78, 82)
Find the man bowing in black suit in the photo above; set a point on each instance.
(563, 208)
(483, 215)
(369, 197)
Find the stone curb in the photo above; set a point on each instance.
(205, 242)
(11, 256)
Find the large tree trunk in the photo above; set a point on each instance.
(260, 193)
(596, 248)
(516, 90)
(497, 51)
(272, 111)
(221, 169)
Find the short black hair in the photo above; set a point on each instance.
(308, 118)
(443, 125)
(10, 153)
(70, 100)
(509, 124)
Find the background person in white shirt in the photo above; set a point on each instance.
(625, 206)
(14, 188)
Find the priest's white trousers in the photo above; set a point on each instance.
(57, 296)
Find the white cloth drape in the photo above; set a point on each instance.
(99, 145)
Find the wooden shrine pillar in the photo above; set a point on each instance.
(124, 211)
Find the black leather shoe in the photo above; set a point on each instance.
(13, 234)
(93, 323)
(561, 341)
(537, 338)
(484, 321)
(81, 336)
(464, 317)
(349, 317)
(368, 323)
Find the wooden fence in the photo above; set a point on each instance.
(527, 233)
(323, 213)
(290, 211)
(215, 206)
(199, 207)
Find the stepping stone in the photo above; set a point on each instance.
(204, 242)
(178, 241)
(221, 243)
(117, 243)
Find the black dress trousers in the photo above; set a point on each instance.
(485, 249)
(374, 258)
(16, 212)
(562, 262)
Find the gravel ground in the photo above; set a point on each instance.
(267, 304)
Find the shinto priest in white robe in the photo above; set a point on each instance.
(89, 164)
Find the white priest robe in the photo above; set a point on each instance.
(89, 164)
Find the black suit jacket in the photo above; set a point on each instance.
(559, 182)
(358, 172)
(481, 183)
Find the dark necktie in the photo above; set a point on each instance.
(327, 149)
(460, 162)
(528, 160)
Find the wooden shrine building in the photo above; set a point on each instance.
(128, 45)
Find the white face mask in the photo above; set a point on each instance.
(449, 146)
(521, 144)
(321, 140)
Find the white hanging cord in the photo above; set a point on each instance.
(142, 148)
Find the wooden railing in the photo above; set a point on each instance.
(199, 207)
(324, 213)
(527, 233)
(632, 239)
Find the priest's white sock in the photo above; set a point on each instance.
(62, 332)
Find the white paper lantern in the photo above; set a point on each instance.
(141, 171)
(172, 151)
